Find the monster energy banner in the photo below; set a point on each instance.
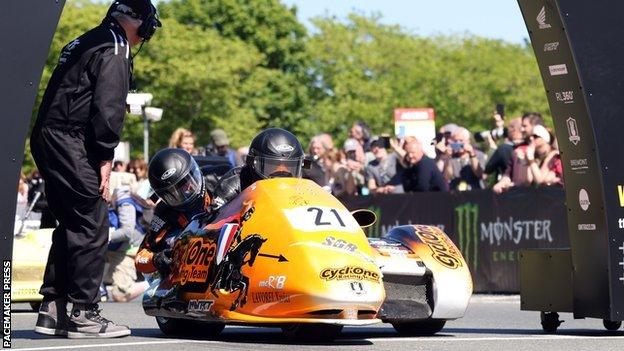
(489, 229)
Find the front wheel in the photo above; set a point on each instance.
(419, 328)
(312, 332)
(187, 327)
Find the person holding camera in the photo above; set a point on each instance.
(464, 166)
(501, 158)
(353, 177)
(77, 129)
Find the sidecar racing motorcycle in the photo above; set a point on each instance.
(286, 253)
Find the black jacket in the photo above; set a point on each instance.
(88, 88)
(423, 176)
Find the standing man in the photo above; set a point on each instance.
(421, 172)
(79, 124)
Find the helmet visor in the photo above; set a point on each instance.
(184, 191)
(277, 167)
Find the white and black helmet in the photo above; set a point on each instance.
(175, 177)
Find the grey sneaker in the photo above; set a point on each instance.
(52, 318)
(85, 322)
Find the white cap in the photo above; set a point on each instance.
(540, 131)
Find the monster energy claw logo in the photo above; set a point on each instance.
(466, 219)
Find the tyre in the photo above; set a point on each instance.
(186, 327)
(419, 328)
(312, 332)
(35, 306)
(550, 321)
(611, 325)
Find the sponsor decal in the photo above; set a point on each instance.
(621, 248)
(620, 190)
(195, 262)
(579, 165)
(200, 305)
(226, 236)
(567, 97)
(274, 282)
(503, 233)
(548, 47)
(443, 250)
(284, 148)
(541, 19)
(584, 199)
(6, 304)
(168, 173)
(390, 248)
(156, 224)
(467, 216)
(558, 70)
(573, 133)
(269, 297)
(586, 227)
(339, 243)
(357, 287)
(349, 272)
(67, 51)
(229, 276)
(621, 223)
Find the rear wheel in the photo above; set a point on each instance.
(312, 332)
(35, 306)
(611, 325)
(186, 327)
(419, 328)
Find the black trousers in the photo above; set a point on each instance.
(76, 260)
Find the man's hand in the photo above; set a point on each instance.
(162, 261)
(105, 172)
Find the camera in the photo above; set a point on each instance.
(496, 134)
(441, 136)
(351, 155)
(456, 146)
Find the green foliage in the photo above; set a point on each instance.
(365, 69)
(243, 65)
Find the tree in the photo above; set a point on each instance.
(364, 69)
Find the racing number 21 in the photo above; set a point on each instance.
(319, 216)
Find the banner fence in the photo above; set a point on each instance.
(489, 229)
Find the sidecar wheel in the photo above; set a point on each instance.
(186, 327)
(312, 332)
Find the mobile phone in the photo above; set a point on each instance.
(351, 155)
(385, 141)
(500, 109)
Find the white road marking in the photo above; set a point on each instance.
(493, 338)
(372, 340)
(88, 346)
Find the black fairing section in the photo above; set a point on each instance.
(408, 297)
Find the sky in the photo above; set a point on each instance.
(498, 19)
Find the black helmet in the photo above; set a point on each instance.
(175, 177)
(273, 153)
(139, 9)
